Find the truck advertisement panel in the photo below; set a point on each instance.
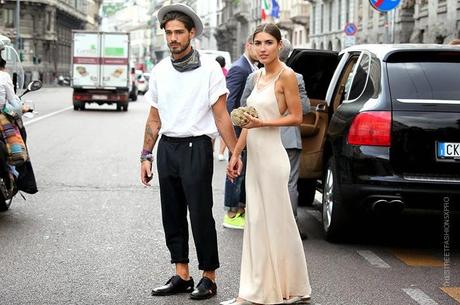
(86, 59)
(114, 68)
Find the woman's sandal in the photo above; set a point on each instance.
(235, 301)
(297, 300)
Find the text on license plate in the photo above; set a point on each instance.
(448, 150)
(99, 97)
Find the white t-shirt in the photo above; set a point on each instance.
(184, 99)
(7, 94)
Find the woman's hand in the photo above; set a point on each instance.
(234, 167)
(253, 122)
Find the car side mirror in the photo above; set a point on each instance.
(34, 85)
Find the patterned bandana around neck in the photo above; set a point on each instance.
(189, 62)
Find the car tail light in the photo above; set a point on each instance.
(77, 97)
(371, 128)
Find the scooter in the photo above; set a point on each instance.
(19, 177)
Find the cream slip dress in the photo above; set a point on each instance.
(273, 265)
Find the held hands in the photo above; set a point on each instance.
(234, 167)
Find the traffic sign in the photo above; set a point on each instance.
(350, 29)
(384, 5)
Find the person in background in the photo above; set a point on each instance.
(455, 42)
(222, 63)
(222, 147)
(236, 79)
(290, 136)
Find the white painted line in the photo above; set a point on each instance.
(419, 296)
(373, 259)
(47, 116)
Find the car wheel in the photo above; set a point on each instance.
(76, 106)
(307, 190)
(82, 106)
(125, 107)
(335, 216)
(119, 107)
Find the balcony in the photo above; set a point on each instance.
(285, 22)
(241, 12)
(300, 13)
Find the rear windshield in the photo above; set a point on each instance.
(425, 76)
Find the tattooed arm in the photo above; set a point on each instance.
(152, 128)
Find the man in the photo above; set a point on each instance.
(290, 136)
(187, 93)
(236, 79)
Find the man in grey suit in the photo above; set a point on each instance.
(290, 136)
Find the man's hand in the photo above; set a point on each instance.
(146, 172)
(234, 168)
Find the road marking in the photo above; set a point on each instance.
(419, 296)
(453, 292)
(417, 259)
(373, 259)
(46, 116)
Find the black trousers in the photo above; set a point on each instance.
(185, 168)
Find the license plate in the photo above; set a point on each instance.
(99, 97)
(448, 151)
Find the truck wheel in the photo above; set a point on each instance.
(336, 218)
(307, 190)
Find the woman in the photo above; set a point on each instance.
(273, 266)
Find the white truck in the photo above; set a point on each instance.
(100, 69)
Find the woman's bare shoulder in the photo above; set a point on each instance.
(288, 75)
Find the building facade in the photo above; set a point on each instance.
(46, 33)
(133, 17)
(414, 21)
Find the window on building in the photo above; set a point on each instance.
(313, 17)
(347, 10)
(48, 21)
(321, 30)
(8, 16)
(329, 28)
(339, 12)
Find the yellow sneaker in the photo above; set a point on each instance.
(236, 222)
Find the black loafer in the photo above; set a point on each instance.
(174, 285)
(204, 290)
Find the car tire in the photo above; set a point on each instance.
(125, 107)
(119, 106)
(307, 190)
(335, 216)
(82, 106)
(76, 106)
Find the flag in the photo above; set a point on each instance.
(266, 8)
(270, 8)
(275, 9)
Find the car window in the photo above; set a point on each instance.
(357, 80)
(424, 80)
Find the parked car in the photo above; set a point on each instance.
(384, 135)
(143, 82)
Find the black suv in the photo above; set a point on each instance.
(385, 133)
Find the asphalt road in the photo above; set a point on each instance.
(93, 233)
